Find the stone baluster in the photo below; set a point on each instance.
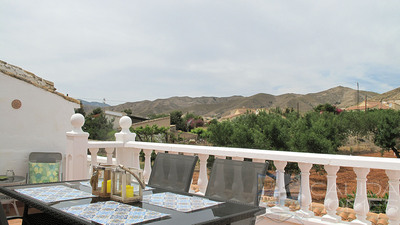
(147, 164)
(361, 206)
(393, 205)
(109, 152)
(93, 154)
(305, 192)
(331, 199)
(280, 186)
(238, 158)
(259, 161)
(76, 152)
(125, 156)
(202, 182)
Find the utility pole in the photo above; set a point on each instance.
(358, 95)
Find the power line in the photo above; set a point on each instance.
(101, 100)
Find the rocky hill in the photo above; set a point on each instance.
(220, 106)
(390, 95)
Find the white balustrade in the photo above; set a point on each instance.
(280, 186)
(238, 158)
(93, 153)
(127, 151)
(393, 209)
(76, 152)
(331, 202)
(203, 178)
(109, 152)
(147, 164)
(361, 206)
(305, 192)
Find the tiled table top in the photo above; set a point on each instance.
(111, 213)
(50, 194)
(178, 202)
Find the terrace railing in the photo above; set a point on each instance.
(127, 153)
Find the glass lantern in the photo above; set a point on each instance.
(127, 184)
(101, 180)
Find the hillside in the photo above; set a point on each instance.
(219, 106)
(390, 95)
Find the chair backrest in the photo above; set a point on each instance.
(172, 171)
(44, 167)
(3, 218)
(240, 181)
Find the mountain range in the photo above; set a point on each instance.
(217, 107)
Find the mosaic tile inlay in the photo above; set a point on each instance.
(178, 202)
(56, 193)
(112, 213)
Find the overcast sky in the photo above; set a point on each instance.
(144, 50)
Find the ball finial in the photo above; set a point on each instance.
(125, 122)
(77, 121)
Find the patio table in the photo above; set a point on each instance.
(222, 213)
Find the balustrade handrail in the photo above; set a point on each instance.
(105, 144)
(299, 157)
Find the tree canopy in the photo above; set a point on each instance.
(321, 131)
(98, 127)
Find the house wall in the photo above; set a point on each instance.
(116, 116)
(39, 125)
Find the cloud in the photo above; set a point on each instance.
(137, 50)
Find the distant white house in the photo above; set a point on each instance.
(114, 117)
(34, 117)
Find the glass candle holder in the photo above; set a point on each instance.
(127, 184)
(101, 180)
(10, 173)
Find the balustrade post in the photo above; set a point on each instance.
(305, 192)
(202, 182)
(76, 152)
(109, 152)
(124, 155)
(361, 206)
(331, 199)
(280, 186)
(393, 205)
(147, 164)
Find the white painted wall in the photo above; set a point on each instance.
(39, 125)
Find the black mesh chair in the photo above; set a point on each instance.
(172, 172)
(4, 219)
(239, 181)
(35, 219)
